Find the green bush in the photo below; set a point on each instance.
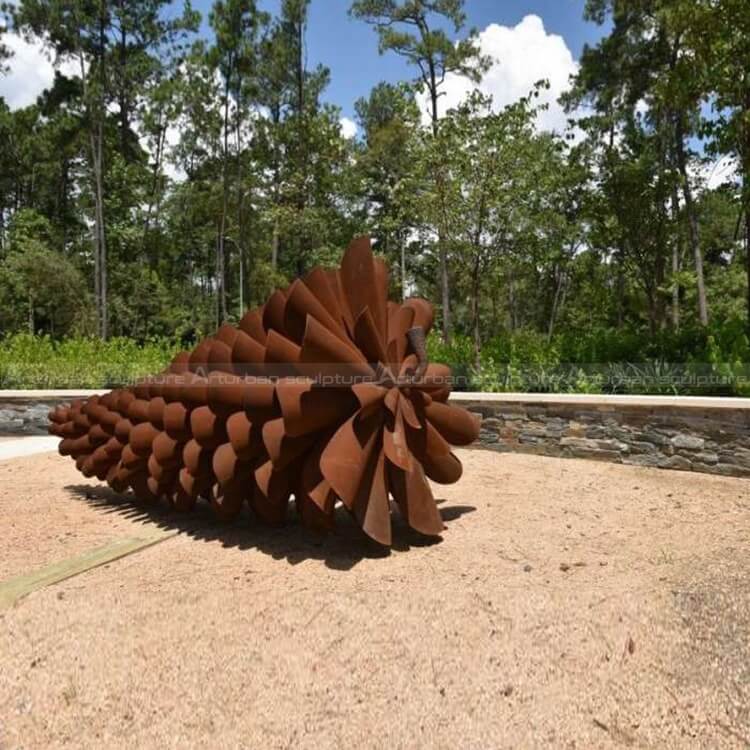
(712, 361)
(40, 362)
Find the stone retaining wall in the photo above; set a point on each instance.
(689, 434)
(24, 417)
(25, 412)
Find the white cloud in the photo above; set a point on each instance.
(521, 55)
(710, 174)
(348, 127)
(31, 71)
(720, 172)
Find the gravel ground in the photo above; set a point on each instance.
(570, 604)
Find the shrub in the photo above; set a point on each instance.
(39, 362)
(712, 361)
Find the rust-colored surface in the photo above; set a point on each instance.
(324, 394)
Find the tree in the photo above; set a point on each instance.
(409, 29)
(108, 40)
(514, 207)
(143, 39)
(717, 37)
(302, 123)
(237, 25)
(273, 91)
(386, 168)
(5, 52)
(633, 216)
(40, 289)
(643, 63)
(78, 31)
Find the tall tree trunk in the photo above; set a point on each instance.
(154, 195)
(403, 268)
(219, 271)
(658, 283)
(101, 113)
(495, 315)
(221, 299)
(445, 291)
(444, 278)
(122, 94)
(676, 260)
(100, 243)
(96, 113)
(240, 202)
(660, 268)
(96, 238)
(102, 234)
(300, 76)
(476, 281)
(444, 281)
(475, 291)
(275, 119)
(275, 244)
(620, 287)
(559, 284)
(63, 204)
(692, 220)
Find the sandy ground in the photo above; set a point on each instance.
(570, 604)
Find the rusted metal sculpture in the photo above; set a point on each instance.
(324, 394)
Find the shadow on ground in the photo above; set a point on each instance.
(339, 550)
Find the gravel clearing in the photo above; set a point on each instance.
(570, 604)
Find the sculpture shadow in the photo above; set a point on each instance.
(341, 549)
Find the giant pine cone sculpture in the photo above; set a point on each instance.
(324, 394)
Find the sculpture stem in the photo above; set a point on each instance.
(418, 342)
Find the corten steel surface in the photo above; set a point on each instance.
(323, 394)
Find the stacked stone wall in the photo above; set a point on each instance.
(690, 435)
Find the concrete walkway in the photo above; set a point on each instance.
(27, 446)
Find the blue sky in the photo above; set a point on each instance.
(529, 40)
(349, 47)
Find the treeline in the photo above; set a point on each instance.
(171, 181)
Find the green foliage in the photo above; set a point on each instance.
(431, 50)
(40, 362)
(604, 360)
(5, 52)
(40, 290)
(693, 363)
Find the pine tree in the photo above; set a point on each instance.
(410, 29)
